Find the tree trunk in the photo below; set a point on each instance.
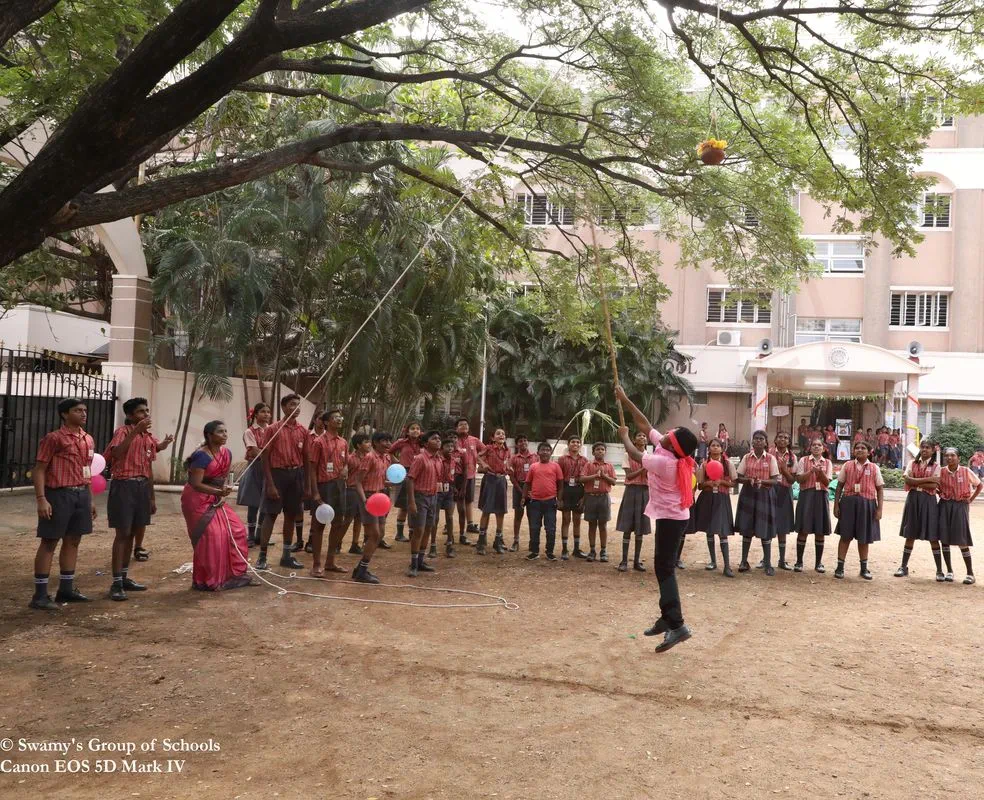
(174, 455)
(242, 367)
(187, 419)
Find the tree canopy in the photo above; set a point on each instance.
(584, 99)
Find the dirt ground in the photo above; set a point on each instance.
(798, 685)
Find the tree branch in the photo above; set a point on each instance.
(18, 14)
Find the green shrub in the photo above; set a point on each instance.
(962, 434)
(893, 478)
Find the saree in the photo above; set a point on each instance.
(217, 534)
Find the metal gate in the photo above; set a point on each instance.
(33, 382)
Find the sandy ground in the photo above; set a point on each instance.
(799, 685)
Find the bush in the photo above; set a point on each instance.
(893, 478)
(963, 434)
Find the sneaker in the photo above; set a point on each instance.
(290, 561)
(728, 573)
(355, 550)
(590, 556)
(680, 564)
(298, 546)
(472, 528)
(798, 566)
(514, 547)
(949, 577)
(532, 556)
(770, 570)
(498, 545)
(362, 575)
(711, 567)
(578, 553)
(969, 580)
(480, 545)
(117, 592)
(820, 568)
(761, 564)
(623, 566)
(309, 548)
(131, 585)
(658, 627)
(423, 566)
(673, 638)
(251, 543)
(564, 555)
(866, 574)
(449, 551)
(412, 572)
(463, 540)
(384, 545)
(940, 577)
(839, 573)
(44, 604)
(743, 567)
(432, 552)
(261, 565)
(785, 566)
(401, 537)
(603, 556)
(552, 557)
(639, 566)
(903, 572)
(74, 596)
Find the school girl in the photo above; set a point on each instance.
(756, 513)
(813, 473)
(492, 497)
(920, 516)
(632, 517)
(785, 518)
(959, 487)
(858, 507)
(405, 450)
(250, 492)
(712, 513)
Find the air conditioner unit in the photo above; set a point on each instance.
(729, 338)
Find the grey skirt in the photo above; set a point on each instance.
(632, 511)
(954, 525)
(713, 514)
(920, 517)
(250, 492)
(857, 520)
(756, 514)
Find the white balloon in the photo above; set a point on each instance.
(324, 513)
(98, 464)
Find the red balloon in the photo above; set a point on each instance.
(378, 504)
(714, 470)
(98, 484)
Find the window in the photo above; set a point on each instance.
(751, 218)
(727, 305)
(632, 217)
(539, 210)
(840, 257)
(700, 398)
(935, 210)
(920, 309)
(820, 329)
(931, 417)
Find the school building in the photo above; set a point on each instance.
(877, 340)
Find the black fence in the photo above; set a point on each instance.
(32, 382)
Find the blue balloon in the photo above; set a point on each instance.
(396, 473)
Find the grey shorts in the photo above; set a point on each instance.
(334, 494)
(71, 513)
(445, 500)
(597, 507)
(426, 516)
(464, 489)
(290, 484)
(128, 506)
(364, 516)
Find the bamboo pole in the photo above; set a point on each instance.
(608, 319)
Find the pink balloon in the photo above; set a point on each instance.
(98, 484)
(378, 504)
(714, 470)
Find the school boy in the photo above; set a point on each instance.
(519, 470)
(421, 483)
(327, 470)
(469, 449)
(543, 485)
(598, 479)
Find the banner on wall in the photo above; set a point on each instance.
(842, 427)
(843, 450)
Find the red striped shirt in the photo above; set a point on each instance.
(919, 470)
(631, 465)
(136, 463)
(957, 485)
(424, 470)
(497, 458)
(596, 468)
(520, 465)
(806, 466)
(469, 448)
(287, 449)
(790, 460)
(406, 450)
(354, 463)
(756, 468)
(572, 466)
(67, 456)
(373, 468)
(860, 480)
(450, 467)
(328, 453)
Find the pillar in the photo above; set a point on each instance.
(760, 401)
(890, 405)
(911, 414)
(130, 331)
(968, 271)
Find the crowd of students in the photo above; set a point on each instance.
(292, 468)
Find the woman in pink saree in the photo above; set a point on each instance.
(217, 534)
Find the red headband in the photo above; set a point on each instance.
(676, 445)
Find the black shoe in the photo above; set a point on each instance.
(355, 550)
(532, 556)
(423, 566)
(578, 553)
(261, 565)
(658, 627)
(680, 565)
(728, 573)
(514, 547)
(308, 547)
(590, 556)
(552, 557)
(44, 604)
(131, 585)
(761, 564)
(820, 568)
(673, 638)
(384, 544)
(412, 572)
(74, 596)
(363, 575)
(839, 573)
(449, 550)
(251, 543)
(480, 545)
(770, 570)
(472, 528)
(743, 567)
(564, 555)
(463, 540)
(401, 537)
(866, 574)
(623, 566)
(298, 546)
(783, 565)
(798, 566)
(639, 566)
(290, 561)
(603, 556)
(903, 572)
(499, 546)
(117, 592)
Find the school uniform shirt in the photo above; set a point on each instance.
(355, 463)
(893, 440)
(68, 457)
(136, 462)
(977, 460)
(882, 439)
(543, 480)
(497, 459)
(328, 453)
(450, 466)
(957, 485)
(252, 436)
(572, 467)
(790, 464)
(806, 466)
(661, 474)
(470, 448)
(424, 470)
(598, 486)
(288, 449)
(758, 468)
(520, 464)
(858, 437)
(725, 437)
(917, 469)
(373, 469)
(631, 465)
(408, 449)
(701, 475)
(860, 480)
(830, 437)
